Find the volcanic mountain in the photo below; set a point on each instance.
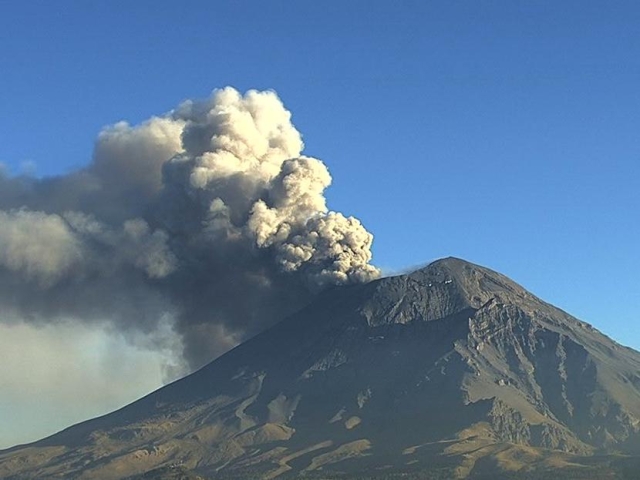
(450, 371)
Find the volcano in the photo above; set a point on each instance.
(450, 371)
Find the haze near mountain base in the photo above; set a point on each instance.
(206, 222)
(452, 371)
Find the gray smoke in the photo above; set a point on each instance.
(208, 218)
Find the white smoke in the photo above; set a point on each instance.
(209, 213)
(38, 246)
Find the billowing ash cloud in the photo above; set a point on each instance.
(208, 218)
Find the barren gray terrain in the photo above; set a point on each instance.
(450, 371)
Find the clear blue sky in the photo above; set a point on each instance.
(506, 133)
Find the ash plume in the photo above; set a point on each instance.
(208, 218)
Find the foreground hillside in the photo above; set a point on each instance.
(451, 371)
(572, 468)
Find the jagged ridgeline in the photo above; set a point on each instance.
(450, 371)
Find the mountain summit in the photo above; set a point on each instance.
(451, 370)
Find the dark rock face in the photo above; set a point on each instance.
(453, 364)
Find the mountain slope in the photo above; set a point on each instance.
(453, 366)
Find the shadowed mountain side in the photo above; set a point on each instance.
(452, 366)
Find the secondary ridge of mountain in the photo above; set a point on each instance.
(452, 371)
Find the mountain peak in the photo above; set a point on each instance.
(444, 288)
(451, 262)
(446, 366)
(459, 270)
